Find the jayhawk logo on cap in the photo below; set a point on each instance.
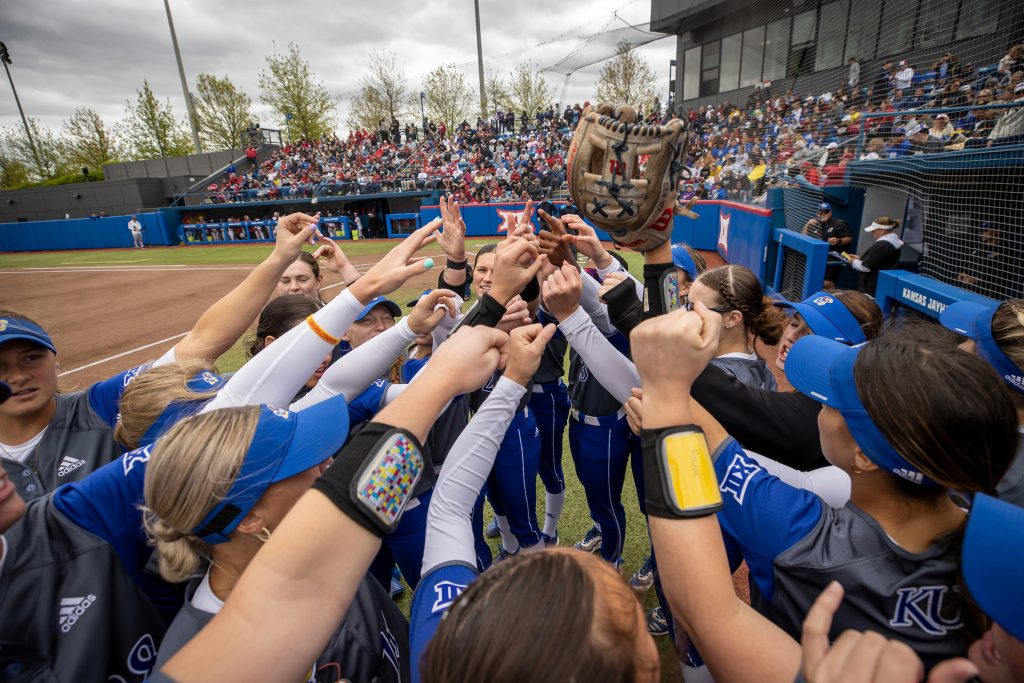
(3, 325)
(824, 300)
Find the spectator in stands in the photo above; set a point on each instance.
(903, 77)
(1013, 58)
(881, 86)
(941, 128)
(992, 268)
(853, 77)
(884, 254)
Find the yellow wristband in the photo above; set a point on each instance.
(321, 332)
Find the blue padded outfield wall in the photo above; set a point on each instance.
(84, 233)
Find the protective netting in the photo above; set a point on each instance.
(601, 45)
(919, 103)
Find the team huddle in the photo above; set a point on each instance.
(171, 523)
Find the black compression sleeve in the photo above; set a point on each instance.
(486, 312)
(531, 291)
(655, 278)
(624, 307)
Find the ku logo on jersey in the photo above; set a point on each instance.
(737, 477)
(922, 607)
(445, 593)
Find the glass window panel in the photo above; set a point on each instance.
(936, 24)
(776, 49)
(830, 37)
(897, 27)
(753, 56)
(730, 75)
(803, 28)
(691, 74)
(711, 55)
(863, 30)
(977, 17)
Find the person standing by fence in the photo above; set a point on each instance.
(136, 229)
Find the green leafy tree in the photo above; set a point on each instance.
(222, 112)
(150, 129)
(497, 91)
(13, 172)
(627, 78)
(42, 160)
(528, 91)
(87, 142)
(449, 97)
(300, 99)
(383, 93)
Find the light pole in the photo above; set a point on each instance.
(480, 63)
(184, 83)
(423, 113)
(5, 57)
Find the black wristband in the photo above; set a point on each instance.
(531, 291)
(624, 307)
(486, 312)
(662, 496)
(661, 289)
(373, 477)
(456, 265)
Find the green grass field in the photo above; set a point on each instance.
(575, 519)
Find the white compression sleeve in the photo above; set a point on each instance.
(449, 522)
(597, 311)
(615, 372)
(276, 373)
(447, 324)
(616, 267)
(831, 484)
(353, 372)
(859, 265)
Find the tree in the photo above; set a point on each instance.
(222, 112)
(627, 78)
(528, 91)
(497, 91)
(449, 98)
(87, 142)
(43, 161)
(150, 129)
(13, 173)
(291, 89)
(383, 93)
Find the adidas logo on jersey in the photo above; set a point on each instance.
(72, 609)
(69, 465)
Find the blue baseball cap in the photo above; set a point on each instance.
(823, 370)
(824, 206)
(285, 443)
(5, 392)
(974, 320)
(828, 317)
(19, 328)
(681, 259)
(379, 301)
(203, 382)
(417, 299)
(993, 553)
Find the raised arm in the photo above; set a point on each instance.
(294, 592)
(226, 320)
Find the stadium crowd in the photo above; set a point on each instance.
(771, 134)
(173, 524)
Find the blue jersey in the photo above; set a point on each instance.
(367, 404)
(795, 545)
(435, 594)
(105, 396)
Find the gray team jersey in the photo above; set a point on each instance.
(752, 372)
(795, 545)
(70, 610)
(78, 441)
(371, 644)
(1011, 488)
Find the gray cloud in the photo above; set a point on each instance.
(70, 54)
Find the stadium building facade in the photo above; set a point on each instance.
(727, 48)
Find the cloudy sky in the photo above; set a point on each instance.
(69, 53)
